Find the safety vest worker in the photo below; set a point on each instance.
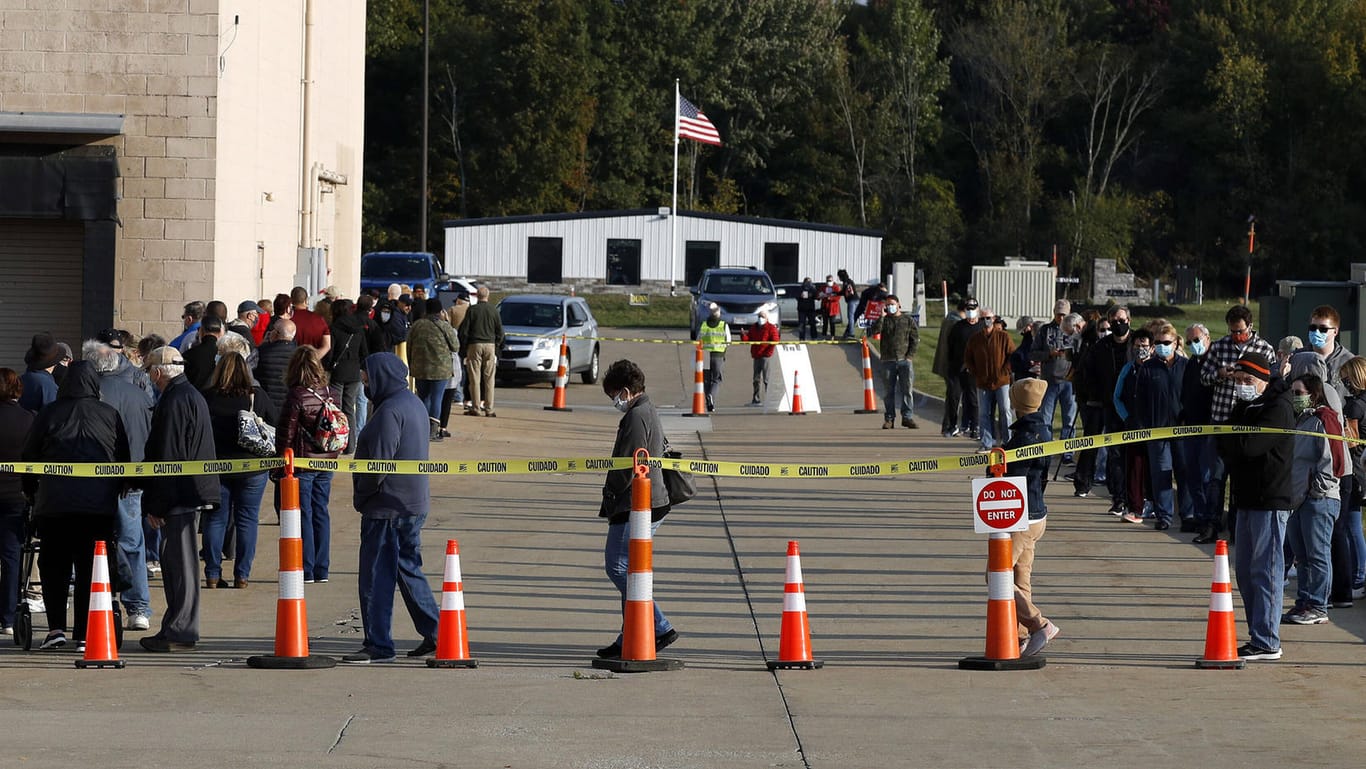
(714, 336)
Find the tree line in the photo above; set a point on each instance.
(1153, 132)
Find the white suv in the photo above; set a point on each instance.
(532, 327)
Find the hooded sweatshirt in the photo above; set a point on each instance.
(76, 427)
(396, 430)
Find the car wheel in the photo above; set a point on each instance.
(590, 374)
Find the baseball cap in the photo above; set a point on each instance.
(163, 356)
(111, 337)
(248, 306)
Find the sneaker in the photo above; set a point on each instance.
(1358, 593)
(1081, 494)
(153, 568)
(1039, 639)
(1131, 517)
(610, 652)
(1305, 615)
(1117, 508)
(754, 402)
(6, 631)
(1070, 477)
(909, 422)
(55, 640)
(367, 657)
(662, 641)
(428, 646)
(889, 424)
(1251, 652)
(137, 622)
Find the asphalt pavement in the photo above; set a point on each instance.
(895, 587)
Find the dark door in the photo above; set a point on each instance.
(698, 257)
(780, 261)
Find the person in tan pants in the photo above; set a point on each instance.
(481, 335)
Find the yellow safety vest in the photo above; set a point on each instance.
(713, 338)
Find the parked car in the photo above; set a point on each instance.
(787, 302)
(740, 292)
(533, 325)
(378, 269)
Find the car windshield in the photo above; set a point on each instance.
(530, 314)
(396, 267)
(744, 285)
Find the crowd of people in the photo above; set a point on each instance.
(277, 366)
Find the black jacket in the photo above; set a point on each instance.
(15, 423)
(1030, 430)
(958, 342)
(1195, 396)
(1260, 464)
(199, 362)
(181, 432)
(77, 427)
(223, 419)
(270, 369)
(1103, 362)
(350, 348)
(375, 338)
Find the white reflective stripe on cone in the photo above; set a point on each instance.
(101, 600)
(291, 525)
(1221, 602)
(640, 586)
(1001, 586)
(794, 602)
(641, 525)
(794, 570)
(100, 572)
(1221, 570)
(452, 569)
(292, 585)
(453, 600)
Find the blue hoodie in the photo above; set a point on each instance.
(397, 429)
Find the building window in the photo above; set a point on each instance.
(780, 262)
(698, 257)
(544, 260)
(623, 262)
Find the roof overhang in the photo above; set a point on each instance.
(68, 123)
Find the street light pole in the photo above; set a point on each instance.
(426, 89)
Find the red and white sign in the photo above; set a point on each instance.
(999, 504)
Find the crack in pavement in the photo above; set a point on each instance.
(341, 733)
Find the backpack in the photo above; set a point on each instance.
(331, 431)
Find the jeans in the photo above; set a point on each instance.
(897, 380)
(362, 412)
(431, 392)
(850, 307)
(1160, 477)
(390, 556)
(1259, 563)
(616, 559)
(241, 502)
(994, 427)
(11, 560)
(1200, 459)
(350, 396)
(1357, 545)
(136, 600)
(1309, 532)
(152, 539)
(1060, 392)
(315, 487)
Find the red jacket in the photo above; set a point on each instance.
(761, 332)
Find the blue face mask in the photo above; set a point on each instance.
(1318, 339)
(1197, 347)
(1165, 351)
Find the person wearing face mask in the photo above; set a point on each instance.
(964, 330)
(896, 350)
(203, 356)
(830, 307)
(1101, 369)
(1259, 472)
(714, 336)
(1317, 465)
(1201, 454)
(943, 368)
(392, 511)
(1323, 341)
(762, 337)
(988, 361)
(639, 428)
(1155, 401)
(1090, 406)
(1134, 458)
(808, 299)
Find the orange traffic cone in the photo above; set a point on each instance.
(699, 388)
(452, 640)
(1221, 633)
(291, 613)
(561, 379)
(796, 409)
(794, 638)
(638, 621)
(1003, 644)
(869, 399)
(101, 639)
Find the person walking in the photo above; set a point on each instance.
(987, 359)
(481, 336)
(308, 391)
(638, 428)
(763, 338)
(431, 343)
(1030, 428)
(714, 336)
(181, 432)
(393, 509)
(896, 352)
(15, 423)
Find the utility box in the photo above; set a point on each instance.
(1288, 311)
(1019, 288)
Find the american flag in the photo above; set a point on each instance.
(692, 124)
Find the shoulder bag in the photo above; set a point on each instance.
(679, 483)
(254, 434)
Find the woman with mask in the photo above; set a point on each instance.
(762, 337)
(1135, 457)
(639, 428)
(1314, 498)
(1155, 401)
(1350, 567)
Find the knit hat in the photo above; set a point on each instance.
(1256, 364)
(42, 352)
(1026, 395)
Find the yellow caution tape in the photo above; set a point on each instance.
(600, 464)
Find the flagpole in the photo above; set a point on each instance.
(673, 206)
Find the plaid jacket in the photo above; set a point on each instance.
(1225, 353)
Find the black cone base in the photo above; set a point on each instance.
(797, 665)
(271, 662)
(638, 666)
(982, 663)
(83, 664)
(552, 408)
(866, 411)
(470, 663)
(1220, 664)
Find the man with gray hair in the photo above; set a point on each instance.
(481, 336)
(1055, 346)
(271, 360)
(180, 432)
(119, 389)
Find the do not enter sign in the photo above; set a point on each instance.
(999, 504)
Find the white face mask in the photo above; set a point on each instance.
(622, 401)
(892, 309)
(1245, 392)
(763, 321)
(972, 314)
(385, 316)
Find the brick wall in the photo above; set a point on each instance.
(155, 61)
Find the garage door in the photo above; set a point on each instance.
(40, 284)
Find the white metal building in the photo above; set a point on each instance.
(630, 249)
